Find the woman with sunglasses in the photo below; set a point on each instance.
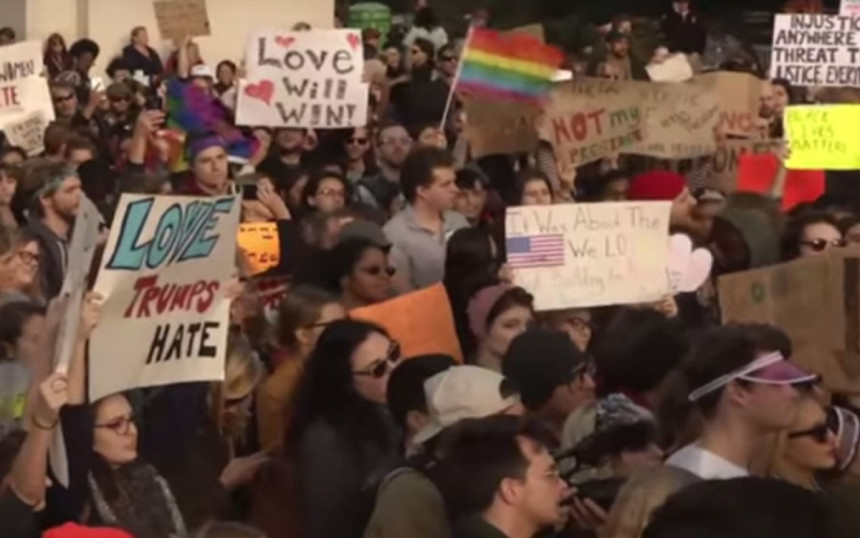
(806, 448)
(362, 272)
(359, 155)
(343, 440)
(809, 234)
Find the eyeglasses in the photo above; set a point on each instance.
(357, 141)
(376, 270)
(63, 98)
(818, 245)
(818, 433)
(589, 369)
(120, 426)
(28, 258)
(380, 367)
(334, 193)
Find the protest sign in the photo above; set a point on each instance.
(816, 301)
(431, 332)
(811, 49)
(849, 8)
(260, 246)
(25, 101)
(495, 127)
(823, 137)
(178, 19)
(164, 318)
(725, 161)
(738, 96)
(591, 119)
(304, 79)
(680, 119)
(583, 255)
(675, 68)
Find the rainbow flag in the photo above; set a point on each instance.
(510, 65)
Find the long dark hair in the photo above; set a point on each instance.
(327, 390)
(790, 243)
(470, 265)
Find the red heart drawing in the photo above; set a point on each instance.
(354, 40)
(262, 91)
(284, 41)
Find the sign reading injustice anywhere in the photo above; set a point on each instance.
(25, 101)
(304, 79)
(165, 318)
(583, 255)
(823, 137)
(816, 50)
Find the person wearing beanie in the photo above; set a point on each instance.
(553, 376)
(209, 170)
(665, 186)
(498, 314)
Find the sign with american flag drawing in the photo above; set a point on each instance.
(583, 255)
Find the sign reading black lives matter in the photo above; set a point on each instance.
(304, 79)
(816, 50)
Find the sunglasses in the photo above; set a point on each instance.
(64, 98)
(819, 245)
(380, 367)
(817, 433)
(357, 141)
(334, 193)
(28, 258)
(120, 426)
(376, 270)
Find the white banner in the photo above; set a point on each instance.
(25, 101)
(583, 255)
(849, 8)
(165, 318)
(816, 50)
(304, 79)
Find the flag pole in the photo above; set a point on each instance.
(456, 78)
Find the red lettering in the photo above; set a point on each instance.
(9, 96)
(143, 283)
(150, 297)
(203, 304)
(560, 129)
(579, 127)
(596, 117)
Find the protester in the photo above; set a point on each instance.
(809, 234)
(576, 323)
(226, 75)
(139, 56)
(363, 274)
(497, 315)
(326, 192)
(20, 326)
(57, 58)
(7, 36)
(683, 30)
(9, 177)
(427, 27)
(383, 190)
(533, 188)
(359, 155)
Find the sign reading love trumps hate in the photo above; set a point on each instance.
(304, 79)
(165, 316)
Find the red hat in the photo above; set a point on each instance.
(656, 186)
(70, 530)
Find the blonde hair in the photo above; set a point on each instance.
(772, 461)
(242, 373)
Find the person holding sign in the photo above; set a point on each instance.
(139, 56)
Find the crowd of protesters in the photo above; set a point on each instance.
(584, 422)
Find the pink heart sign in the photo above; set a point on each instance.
(262, 91)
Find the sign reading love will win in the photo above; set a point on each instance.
(304, 79)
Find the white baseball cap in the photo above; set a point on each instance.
(203, 71)
(463, 392)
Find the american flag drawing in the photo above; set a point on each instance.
(545, 250)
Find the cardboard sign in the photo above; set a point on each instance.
(726, 160)
(165, 318)
(675, 68)
(178, 19)
(823, 137)
(583, 255)
(738, 97)
(25, 101)
(849, 8)
(260, 245)
(592, 119)
(680, 119)
(816, 50)
(304, 79)
(816, 301)
(430, 332)
(495, 127)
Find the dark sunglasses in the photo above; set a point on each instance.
(376, 270)
(820, 244)
(359, 141)
(64, 98)
(380, 367)
(818, 433)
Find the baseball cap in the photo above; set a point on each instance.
(364, 229)
(202, 71)
(464, 392)
(406, 383)
(538, 361)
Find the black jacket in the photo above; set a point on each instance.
(684, 34)
(150, 65)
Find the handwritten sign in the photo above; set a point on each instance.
(675, 68)
(495, 127)
(849, 8)
(25, 101)
(680, 119)
(816, 301)
(725, 163)
(431, 332)
(816, 50)
(583, 255)
(823, 137)
(738, 97)
(260, 245)
(164, 318)
(178, 19)
(304, 79)
(592, 119)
